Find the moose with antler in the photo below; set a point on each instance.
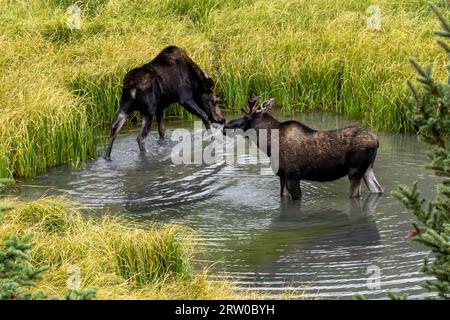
(308, 154)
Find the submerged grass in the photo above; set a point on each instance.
(121, 260)
(58, 86)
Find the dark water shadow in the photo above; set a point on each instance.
(304, 245)
(295, 224)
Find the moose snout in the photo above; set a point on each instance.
(231, 126)
(217, 117)
(221, 120)
(224, 129)
(227, 128)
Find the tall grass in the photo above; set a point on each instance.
(122, 260)
(59, 87)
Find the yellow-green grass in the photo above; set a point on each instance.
(59, 87)
(121, 260)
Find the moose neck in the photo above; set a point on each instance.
(268, 123)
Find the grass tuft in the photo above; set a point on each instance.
(121, 260)
(151, 257)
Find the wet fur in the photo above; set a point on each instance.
(325, 155)
(171, 77)
(308, 154)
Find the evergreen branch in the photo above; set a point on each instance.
(444, 45)
(413, 90)
(431, 115)
(444, 23)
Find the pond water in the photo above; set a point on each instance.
(325, 245)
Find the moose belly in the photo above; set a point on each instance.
(322, 174)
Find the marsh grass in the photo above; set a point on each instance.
(5, 182)
(122, 260)
(59, 87)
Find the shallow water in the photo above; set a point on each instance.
(324, 246)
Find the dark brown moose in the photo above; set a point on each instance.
(171, 77)
(308, 154)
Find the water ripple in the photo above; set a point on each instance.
(319, 247)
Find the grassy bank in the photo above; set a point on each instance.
(120, 260)
(58, 86)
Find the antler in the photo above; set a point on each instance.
(252, 102)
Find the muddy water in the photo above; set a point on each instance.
(326, 245)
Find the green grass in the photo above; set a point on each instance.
(59, 87)
(5, 182)
(121, 260)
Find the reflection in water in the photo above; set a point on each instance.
(292, 211)
(285, 260)
(320, 246)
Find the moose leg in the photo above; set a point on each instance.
(193, 108)
(355, 177)
(146, 124)
(371, 182)
(159, 119)
(293, 185)
(355, 187)
(283, 188)
(118, 124)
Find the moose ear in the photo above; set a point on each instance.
(267, 105)
(208, 83)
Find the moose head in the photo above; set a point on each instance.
(255, 115)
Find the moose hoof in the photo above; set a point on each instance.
(107, 158)
(141, 146)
